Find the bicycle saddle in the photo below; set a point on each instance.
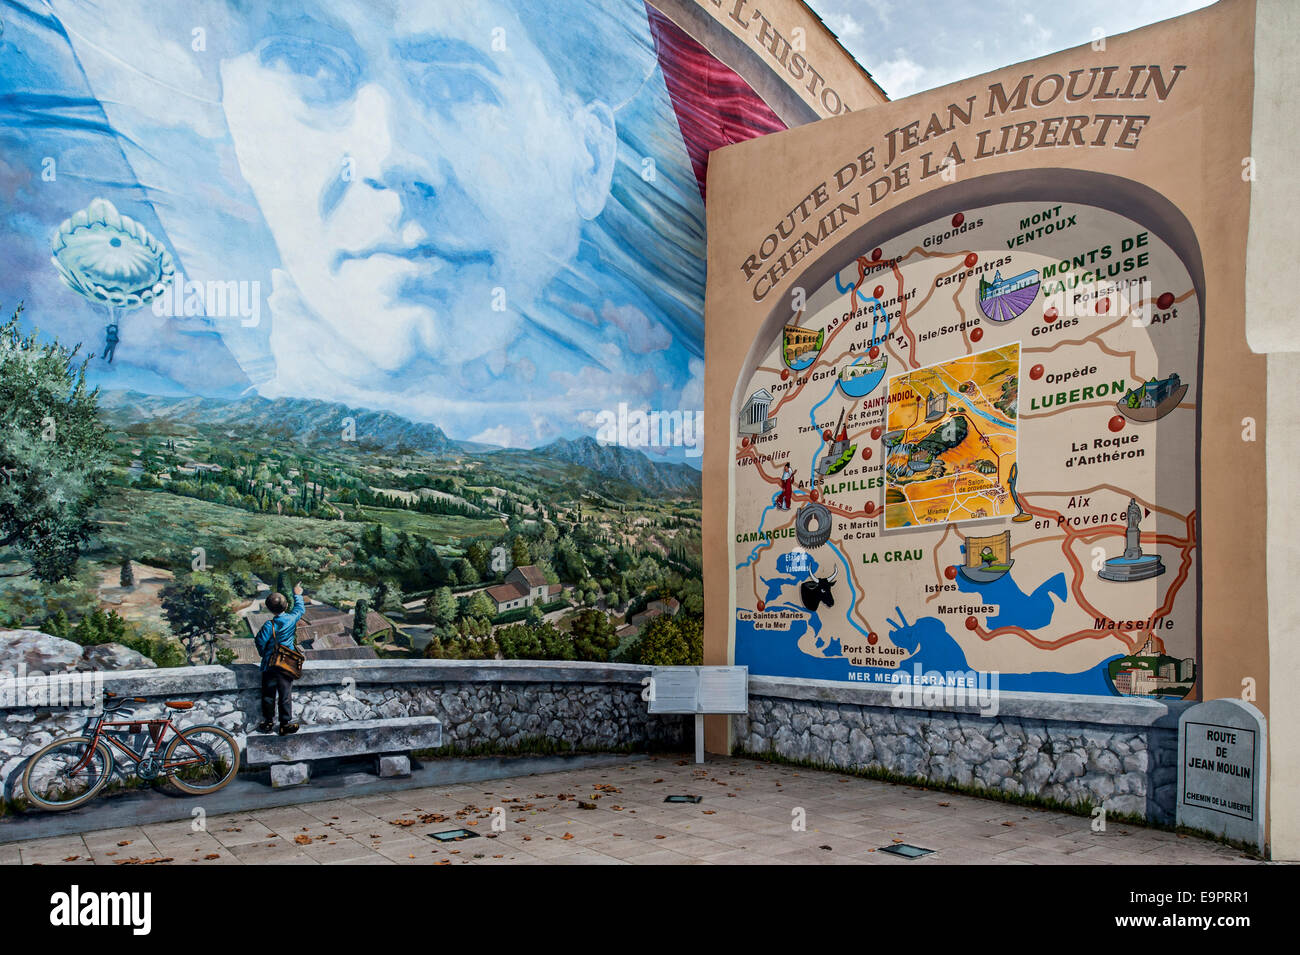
(179, 704)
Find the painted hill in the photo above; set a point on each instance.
(305, 420)
(622, 464)
(310, 422)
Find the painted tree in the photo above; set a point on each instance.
(198, 608)
(593, 636)
(127, 576)
(53, 457)
(519, 552)
(481, 605)
(441, 607)
(670, 641)
(360, 625)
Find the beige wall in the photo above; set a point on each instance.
(1271, 327)
(1191, 149)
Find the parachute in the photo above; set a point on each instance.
(112, 260)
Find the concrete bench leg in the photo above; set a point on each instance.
(289, 774)
(398, 765)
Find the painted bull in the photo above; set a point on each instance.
(816, 591)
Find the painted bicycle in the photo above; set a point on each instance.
(71, 771)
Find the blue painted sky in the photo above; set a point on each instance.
(914, 45)
(431, 207)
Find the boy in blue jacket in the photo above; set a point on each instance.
(280, 630)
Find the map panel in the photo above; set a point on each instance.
(974, 452)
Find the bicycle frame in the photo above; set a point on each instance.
(98, 728)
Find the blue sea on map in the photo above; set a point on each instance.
(927, 640)
(1016, 608)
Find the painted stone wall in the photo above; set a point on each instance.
(1120, 755)
(588, 706)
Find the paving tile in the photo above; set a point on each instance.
(744, 819)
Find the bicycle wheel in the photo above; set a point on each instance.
(67, 772)
(201, 759)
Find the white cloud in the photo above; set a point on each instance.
(934, 42)
(643, 335)
(693, 391)
(500, 435)
(900, 76)
(845, 26)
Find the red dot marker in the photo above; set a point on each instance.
(1050, 315)
(872, 638)
(876, 432)
(874, 353)
(971, 260)
(761, 605)
(958, 219)
(976, 334)
(871, 507)
(744, 442)
(971, 623)
(950, 572)
(866, 454)
(1103, 306)
(814, 494)
(876, 254)
(826, 435)
(785, 373)
(1165, 301)
(878, 291)
(1116, 423)
(1036, 372)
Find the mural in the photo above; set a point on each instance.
(359, 288)
(985, 460)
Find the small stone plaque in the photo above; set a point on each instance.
(1221, 785)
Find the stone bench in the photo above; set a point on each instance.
(389, 740)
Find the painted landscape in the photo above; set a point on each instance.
(406, 541)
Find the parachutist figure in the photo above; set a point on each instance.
(110, 342)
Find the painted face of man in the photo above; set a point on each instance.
(423, 175)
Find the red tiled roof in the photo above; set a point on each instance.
(504, 593)
(533, 574)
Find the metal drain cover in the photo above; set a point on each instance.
(906, 851)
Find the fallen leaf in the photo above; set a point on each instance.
(125, 842)
(568, 835)
(302, 840)
(213, 855)
(71, 858)
(661, 837)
